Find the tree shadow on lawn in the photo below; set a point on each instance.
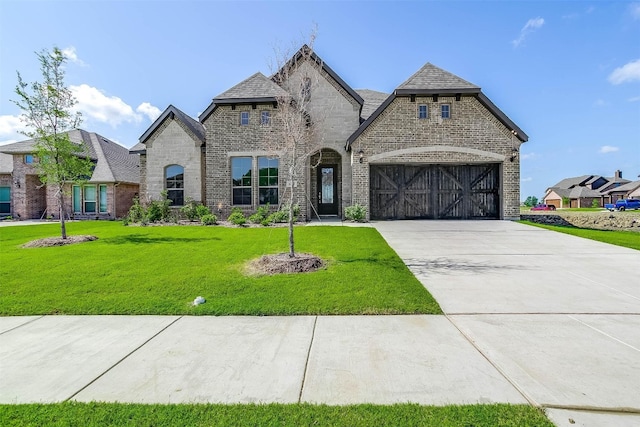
(143, 239)
(445, 266)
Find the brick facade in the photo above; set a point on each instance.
(471, 135)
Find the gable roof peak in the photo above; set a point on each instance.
(432, 78)
(171, 112)
(257, 86)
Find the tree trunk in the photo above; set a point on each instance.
(63, 228)
(292, 253)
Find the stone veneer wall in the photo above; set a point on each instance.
(471, 135)
(172, 144)
(336, 115)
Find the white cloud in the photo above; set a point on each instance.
(71, 55)
(634, 99)
(11, 125)
(93, 103)
(528, 156)
(149, 110)
(608, 149)
(634, 9)
(627, 73)
(531, 26)
(527, 179)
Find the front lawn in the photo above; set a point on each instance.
(160, 270)
(628, 239)
(113, 414)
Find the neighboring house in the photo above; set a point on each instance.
(107, 194)
(582, 191)
(436, 147)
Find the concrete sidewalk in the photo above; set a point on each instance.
(532, 316)
(163, 359)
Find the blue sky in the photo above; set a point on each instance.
(566, 72)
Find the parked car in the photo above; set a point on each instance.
(623, 205)
(543, 207)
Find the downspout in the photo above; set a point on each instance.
(115, 208)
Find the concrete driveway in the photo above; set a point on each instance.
(557, 315)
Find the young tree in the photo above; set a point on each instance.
(531, 201)
(296, 123)
(47, 110)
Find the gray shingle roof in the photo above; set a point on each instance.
(113, 161)
(432, 78)
(255, 87)
(372, 100)
(572, 182)
(171, 112)
(628, 187)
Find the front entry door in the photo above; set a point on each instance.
(327, 190)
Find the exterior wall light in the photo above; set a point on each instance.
(360, 156)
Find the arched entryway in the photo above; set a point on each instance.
(325, 183)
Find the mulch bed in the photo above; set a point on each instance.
(283, 263)
(58, 241)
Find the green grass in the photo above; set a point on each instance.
(628, 239)
(111, 414)
(160, 270)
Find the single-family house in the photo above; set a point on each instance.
(107, 194)
(582, 191)
(436, 147)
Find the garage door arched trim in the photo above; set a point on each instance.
(378, 158)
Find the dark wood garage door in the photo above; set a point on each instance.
(435, 191)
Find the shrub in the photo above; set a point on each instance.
(208, 219)
(202, 210)
(261, 215)
(595, 204)
(283, 214)
(194, 211)
(137, 212)
(355, 213)
(158, 210)
(237, 217)
(189, 210)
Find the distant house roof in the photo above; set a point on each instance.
(626, 188)
(372, 100)
(572, 182)
(113, 161)
(170, 113)
(434, 81)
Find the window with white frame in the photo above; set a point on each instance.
(268, 180)
(241, 180)
(244, 118)
(423, 112)
(174, 184)
(103, 198)
(445, 111)
(89, 199)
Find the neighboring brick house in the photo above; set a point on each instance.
(583, 191)
(108, 193)
(436, 147)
